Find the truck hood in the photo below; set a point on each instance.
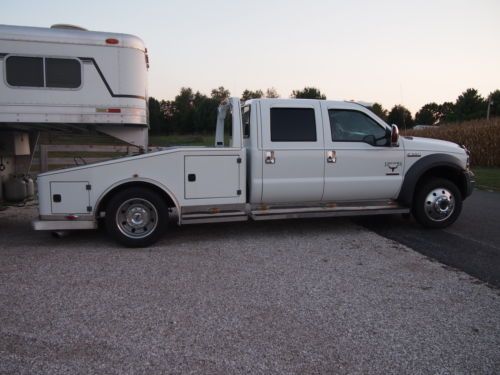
(430, 144)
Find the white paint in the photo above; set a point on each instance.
(360, 171)
(123, 67)
(299, 175)
(74, 197)
(207, 170)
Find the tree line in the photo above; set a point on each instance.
(194, 112)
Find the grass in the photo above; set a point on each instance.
(487, 178)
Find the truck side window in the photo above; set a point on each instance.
(293, 125)
(24, 71)
(354, 126)
(245, 115)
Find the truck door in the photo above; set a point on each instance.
(361, 164)
(292, 146)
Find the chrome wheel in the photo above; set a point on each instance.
(439, 204)
(136, 218)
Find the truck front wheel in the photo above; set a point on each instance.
(437, 203)
(136, 217)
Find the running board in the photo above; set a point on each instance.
(222, 217)
(311, 212)
(263, 212)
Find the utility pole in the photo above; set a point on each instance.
(490, 102)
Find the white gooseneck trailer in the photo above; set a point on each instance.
(67, 78)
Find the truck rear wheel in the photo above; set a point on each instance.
(437, 203)
(136, 217)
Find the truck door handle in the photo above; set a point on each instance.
(270, 157)
(331, 157)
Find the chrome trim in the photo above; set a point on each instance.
(270, 159)
(439, 204)
(136, 218)
(331, 157)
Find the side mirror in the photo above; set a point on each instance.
(370, 139)
(394, 136)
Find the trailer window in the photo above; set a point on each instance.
(24, 71)
(293, 125)
(64, 73)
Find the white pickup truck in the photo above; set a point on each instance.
(284, 159)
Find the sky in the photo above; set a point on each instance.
(391, 52)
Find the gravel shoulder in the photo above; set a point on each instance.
(289, 297)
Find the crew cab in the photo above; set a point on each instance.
(272, 159)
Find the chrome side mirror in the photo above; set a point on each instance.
(394, 136)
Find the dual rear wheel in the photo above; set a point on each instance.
(136, 217)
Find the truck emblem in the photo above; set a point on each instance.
(393, 165)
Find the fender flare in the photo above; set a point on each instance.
(418, 169)
(139, 180)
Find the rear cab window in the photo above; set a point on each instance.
(293, 125)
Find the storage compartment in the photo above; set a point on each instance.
(70, 197)
(212, 176)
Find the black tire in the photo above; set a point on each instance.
(437, 203)
(136, 217)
